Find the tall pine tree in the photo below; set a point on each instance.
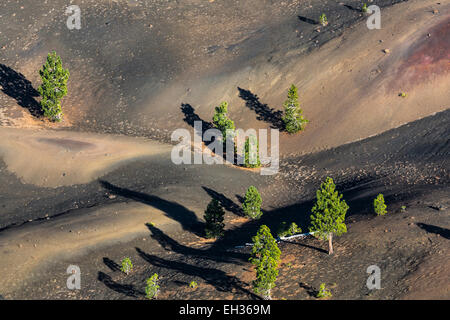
(265, 256)
(214, 216)
(252, 203)
(222, 122)
(293, 118)
(328, 214)
(53, 87)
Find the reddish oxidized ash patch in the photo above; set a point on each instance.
(427, 58)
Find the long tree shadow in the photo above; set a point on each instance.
(214, 254)
(308, 20)
(306, 246)
(113, 266)
(309, 289)
(185, 217)
(445, 233)
(126, 289)
(264, 113)
(190, 117)
(352, 8)
(217, 278)
(226, 203)
(15, 85)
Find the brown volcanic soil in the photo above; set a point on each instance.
(133, 65)
(71, 197)
(409, 165)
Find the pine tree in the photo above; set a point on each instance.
(293, 118)
(323, 20)
(286, 231)
(53, 87)
(251, 159)
(127, 266)
(265, 256)
(328, 214)
(323, 292)
(252, 203)
(221, 120)
(214, 216)
(379, 206)
(152, 288)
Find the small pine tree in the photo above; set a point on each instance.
(265, 256)
(152, 288)
(251, 159)
(379, 206)
(252, 203)
(328, 214)
(53, 87)
(323, 19)
(127, 266)
(221, 120)
(286, 231)
(323, 292)
(214, 216)
(364, 8)
(293, 118)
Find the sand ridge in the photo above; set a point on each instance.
(50, 158)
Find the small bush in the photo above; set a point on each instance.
(323, 292)
(127, 266)
(379, 206)
(193, 285)
(252, 203)
(323, 19)
(364, 8)
(152, 288)
(286, 231)
(214, 216)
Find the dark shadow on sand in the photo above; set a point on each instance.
(185, 217)
(213, 253)
(15, 85)
(217, 278)
(263, 112)
(226, 203)
(190, 117)
(308, 20)
(126, 289)
(445, 233)
(111, 264)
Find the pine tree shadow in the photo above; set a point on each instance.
(225, 202)
(15, 85)
(445, 233)
(213, 253)
(263, 112)
(126, 289)
(113, 266)
(308, 20)
(214, 277)
(309, 289)
(185, 217)
(190, 117)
